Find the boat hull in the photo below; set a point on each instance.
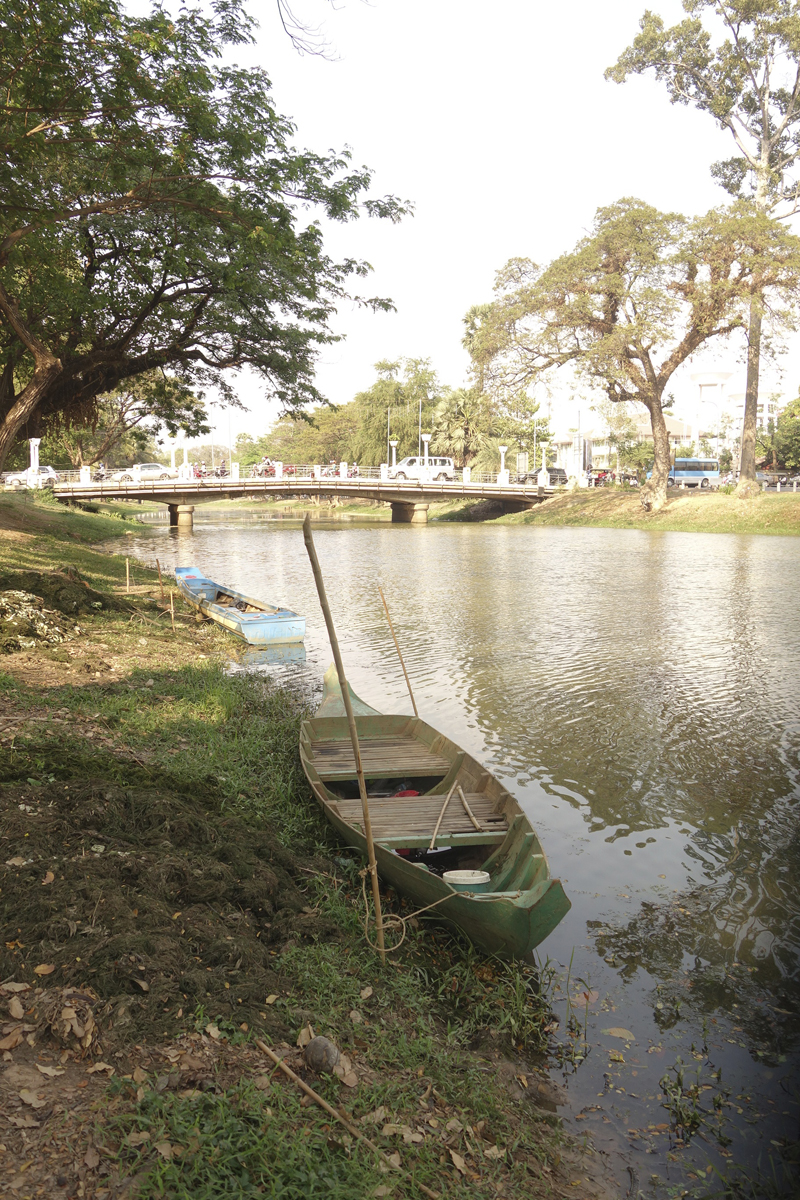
(524, 904)
(260, 625)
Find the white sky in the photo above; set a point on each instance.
(496, 122)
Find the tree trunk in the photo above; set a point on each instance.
(654, 493)
(47, 370)
(748, 485)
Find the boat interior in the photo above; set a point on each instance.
(410, 770)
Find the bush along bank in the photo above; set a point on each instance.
(170, 897)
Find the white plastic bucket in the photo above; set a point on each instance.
(468, 881)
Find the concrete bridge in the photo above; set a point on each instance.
(409, 499)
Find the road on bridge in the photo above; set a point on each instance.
(409, 499)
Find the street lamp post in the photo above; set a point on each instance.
(393, 445)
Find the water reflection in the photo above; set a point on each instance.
(639, 693)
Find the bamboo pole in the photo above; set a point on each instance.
(160, 580)
(127, 574)
(172, 608)
(397, 648)
(351, 721)
(338, 1115)
(441, 816)
(469, 811)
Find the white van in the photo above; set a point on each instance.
(418, 468)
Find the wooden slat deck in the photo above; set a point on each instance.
(416, 816)
(381, 757)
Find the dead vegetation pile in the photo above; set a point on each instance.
(152, 904)
(63, 590)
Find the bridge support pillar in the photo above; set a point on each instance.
(406, 513)
(180, 515)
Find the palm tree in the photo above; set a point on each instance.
(461, 425)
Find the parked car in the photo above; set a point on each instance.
(147, 471)
(558, 477)
(412, 468)
(17, 479)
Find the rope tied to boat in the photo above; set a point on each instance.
(391, 921)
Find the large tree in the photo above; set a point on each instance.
(633, 301)
(739, 61)
(156, 214)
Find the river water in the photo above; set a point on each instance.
(640, 695)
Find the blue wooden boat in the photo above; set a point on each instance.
(257, 623)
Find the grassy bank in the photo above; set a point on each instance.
(620, 508)
(170, 895)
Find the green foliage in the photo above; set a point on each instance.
(725, 460)
(156, 214)
(460, 425)
(787, 436)
(357, 432)
(745, 80)
(636, 298)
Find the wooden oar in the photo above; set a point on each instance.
(469, 811)
(397, 648)
(351, 721)
(441, 815)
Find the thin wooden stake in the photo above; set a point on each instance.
(127, 574)
(397, 648)
(172, 608)
(160, 580)
(338, 1116)
(351, 721)
(469, 811)
(441, 815)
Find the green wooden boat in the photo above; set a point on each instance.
(500, 892)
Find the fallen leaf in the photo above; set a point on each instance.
(44, 969)
(15, 987)
(382, 1190)
(143, 984)
(392, 1131)
(394, 1159)
(212, 1030)
(454, 1126)
(458, 1162)
(615, 1056)
(356, 1017)
(26, 1122)
(164, 1149)
(15, 862)
(138, 1136)
(15, 1009)
(139, 1075)
(588, 997)
(616, 1032)
(350, 1079)
(50, 1071)
(49, 877)
(11, 1040)
(270, 999)
(305, 1036)
(494, 1152)
(375, 1117)
(101, 1066)
(32, 1098)
(92, 1158)
(365, 993)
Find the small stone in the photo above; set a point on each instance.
(321, 1055)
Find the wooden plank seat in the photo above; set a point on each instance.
(381, 758)
(416, 816)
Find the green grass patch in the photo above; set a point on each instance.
(685, 512)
